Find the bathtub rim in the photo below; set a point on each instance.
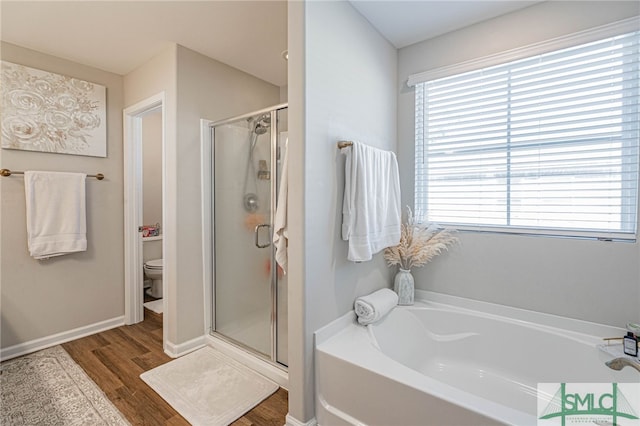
(582, 327)
(582, 330)
(575, 325)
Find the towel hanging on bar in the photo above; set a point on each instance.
(371, 210)
(7, 172)
(56, 213)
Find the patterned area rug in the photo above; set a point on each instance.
(49, 388)
(208, 388)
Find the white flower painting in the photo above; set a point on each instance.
(43, 111)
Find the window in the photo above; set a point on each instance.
(547, 144)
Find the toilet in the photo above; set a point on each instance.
(153, 271)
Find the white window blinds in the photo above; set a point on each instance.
(547, 144)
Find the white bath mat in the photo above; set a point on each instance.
(154, 305)
(208, 388)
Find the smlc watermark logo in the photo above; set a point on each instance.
(589, 403)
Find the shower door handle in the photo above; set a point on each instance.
(257, 235)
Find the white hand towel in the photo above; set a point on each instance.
(281, 234)
(371, 208)
(373, 307)
(56, 213)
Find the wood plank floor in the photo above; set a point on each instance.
(114, 359)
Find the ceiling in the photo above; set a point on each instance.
(407, 22)
(120, 35)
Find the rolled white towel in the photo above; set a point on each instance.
(373, 307)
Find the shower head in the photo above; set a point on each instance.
(261, 129)
(262, 124)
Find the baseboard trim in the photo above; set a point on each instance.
(175, 351)
(292, 421)
(59, 338)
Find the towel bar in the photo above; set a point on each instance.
(344, 144)
(7, 172)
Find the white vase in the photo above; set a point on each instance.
(403, 285)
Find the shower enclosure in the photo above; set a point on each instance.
(249, 288)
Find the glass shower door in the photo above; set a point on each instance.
(242, 211)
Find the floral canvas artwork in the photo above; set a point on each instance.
(44, 111)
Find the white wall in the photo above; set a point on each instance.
(300, 371)
(159, 75)
(42, 298)
(151, 250)
(195, 87)
(152, 168)
(212, 90)
(347, 92)
(589, 280)
(152, 180)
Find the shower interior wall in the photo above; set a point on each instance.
(242, 272)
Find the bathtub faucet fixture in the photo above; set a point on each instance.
(620, 363)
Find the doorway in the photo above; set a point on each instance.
(133, 206)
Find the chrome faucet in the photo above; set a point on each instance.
(620, 363)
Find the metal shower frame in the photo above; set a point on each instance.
(272, 358)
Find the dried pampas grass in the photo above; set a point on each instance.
(419, 244)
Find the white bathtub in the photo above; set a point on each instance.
(446, 364)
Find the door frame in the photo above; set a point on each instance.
(206, 170)
(132, 150)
